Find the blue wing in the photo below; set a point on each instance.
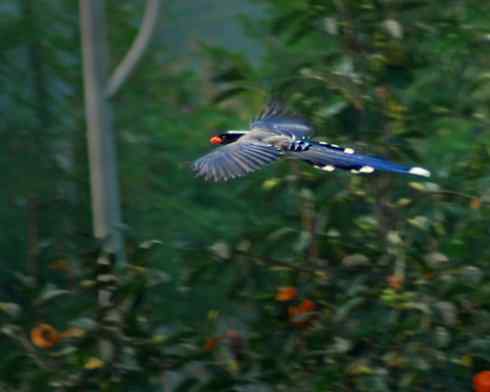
(276, 119)
(235, 160)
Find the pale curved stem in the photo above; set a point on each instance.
(135, 53)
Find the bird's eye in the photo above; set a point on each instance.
(216, 140)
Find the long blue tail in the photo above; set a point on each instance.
(329, 157)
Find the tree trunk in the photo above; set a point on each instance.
(102, 158)
(101, 144)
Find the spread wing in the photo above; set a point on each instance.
(276, 119)
(235, 160)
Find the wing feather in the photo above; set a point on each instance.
(235, 160)
(278, 120)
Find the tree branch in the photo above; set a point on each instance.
(278, 263)
(135, 53)
(444, 192)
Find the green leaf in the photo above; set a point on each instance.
(49, 293)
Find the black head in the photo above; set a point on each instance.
(227, 137)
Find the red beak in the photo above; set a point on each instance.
(216, 140)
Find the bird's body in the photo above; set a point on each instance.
(274, 135)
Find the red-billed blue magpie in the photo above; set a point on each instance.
(276, 134)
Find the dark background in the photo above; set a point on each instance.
(397, 267)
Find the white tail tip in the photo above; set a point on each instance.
(328, 168)
(419, 171)
(366, 169)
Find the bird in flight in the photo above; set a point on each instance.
(274, 135)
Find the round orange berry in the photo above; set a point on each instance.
(481, 381)
(286, 294)
(45, 336)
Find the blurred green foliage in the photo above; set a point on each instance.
(396, 269)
